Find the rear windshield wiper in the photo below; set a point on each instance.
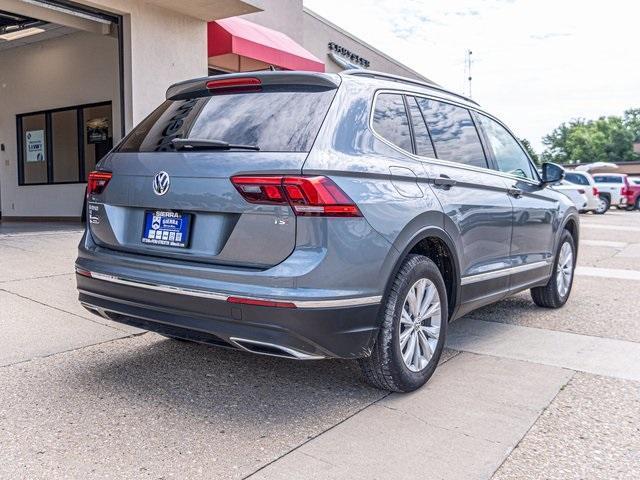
(205, 144)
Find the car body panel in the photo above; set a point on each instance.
(576, 193)
(497, 244)
(585, 180)
(612, 184)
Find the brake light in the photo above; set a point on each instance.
(595, 192)
(97, 182)
(307, 196)
(624, 192)
(244, 82)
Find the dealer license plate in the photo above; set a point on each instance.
(166, 228)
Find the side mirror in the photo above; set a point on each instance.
(551, 173)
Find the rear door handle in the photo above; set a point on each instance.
(515, 192)
(444, 182)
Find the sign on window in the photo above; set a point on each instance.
(35, 146)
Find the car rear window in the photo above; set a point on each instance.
(607, 179)
(576, 178)
(276, 119)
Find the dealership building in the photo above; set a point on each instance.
(76, 76)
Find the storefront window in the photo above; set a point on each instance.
(98, 135)
(34, 151)
(64, 137)
(63, 145)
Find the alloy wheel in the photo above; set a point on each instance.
(420, 322)
(564, 269)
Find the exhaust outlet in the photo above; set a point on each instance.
(271, 349)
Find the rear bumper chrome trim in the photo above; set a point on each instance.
(287, 352)
(481, 277)
(330, 303)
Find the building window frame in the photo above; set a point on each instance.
(79, 109)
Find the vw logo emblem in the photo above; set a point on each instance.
(161, 183)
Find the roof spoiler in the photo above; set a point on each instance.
(198, 86)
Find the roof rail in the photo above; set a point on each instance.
(400, 79)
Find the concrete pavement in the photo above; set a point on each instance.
(453, 428)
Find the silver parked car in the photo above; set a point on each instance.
(310, 216)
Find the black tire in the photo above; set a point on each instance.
(603, 208)
(385, 367)
(549, 295)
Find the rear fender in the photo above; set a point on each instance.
(409, 239)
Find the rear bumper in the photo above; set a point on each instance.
(341, 328)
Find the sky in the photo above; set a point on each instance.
(535, 63)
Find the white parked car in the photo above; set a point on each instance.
(611, 187)
(594, 202)
(576, 193)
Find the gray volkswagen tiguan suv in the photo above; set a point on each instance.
(312, 216)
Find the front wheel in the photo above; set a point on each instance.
(556, 292)
(413, 329)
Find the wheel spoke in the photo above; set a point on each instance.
(404, 336)
(426, 347)
(432, 311)
(411, 301)
(405, 318)
(416, 352)
(420, 291)
(427, 300)
(432, 331)
(411, 345)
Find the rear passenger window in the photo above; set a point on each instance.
(424, 147)
(390, 120)
(454, 134)
(607, 179)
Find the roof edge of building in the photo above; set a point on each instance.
(320, 18)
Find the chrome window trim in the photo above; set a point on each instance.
(481, 277)
(437, 161)
(331, 303)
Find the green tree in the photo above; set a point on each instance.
(607, 139)
(532, 153)
(631, 121)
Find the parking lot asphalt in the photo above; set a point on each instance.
(526, 393)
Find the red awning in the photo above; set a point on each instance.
(240, 45)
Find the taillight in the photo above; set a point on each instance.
(307, 196)
(595, 192)
(97, 182)
(244, 84)
(624, 192)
